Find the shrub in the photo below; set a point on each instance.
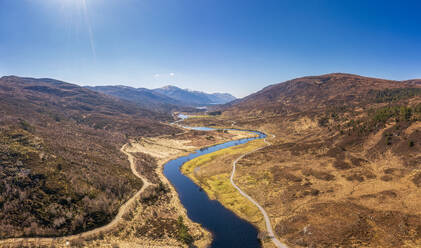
(323, 121)
(215, 113)
(26, 126)
(405, 113)
(183, 231)
(388, 140)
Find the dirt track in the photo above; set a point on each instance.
(269, 229)
(97, 231)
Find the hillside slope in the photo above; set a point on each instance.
(344, 167)
(62, 171)
(321, 92)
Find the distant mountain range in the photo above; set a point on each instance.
(144, 98)
(194, 97)
(164, 99)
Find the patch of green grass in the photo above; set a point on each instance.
(218, 186)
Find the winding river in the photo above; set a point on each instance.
(228, 229)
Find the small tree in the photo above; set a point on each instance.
(405, 113)
(183, 231)
(411, 143)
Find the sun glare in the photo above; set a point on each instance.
(78, 9)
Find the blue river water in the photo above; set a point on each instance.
(228, 230)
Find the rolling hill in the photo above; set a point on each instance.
(321, 92)
(343, 167)
(61, 170)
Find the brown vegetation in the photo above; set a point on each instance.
(61, 168)
(343, 170)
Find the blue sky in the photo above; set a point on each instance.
(211, 45)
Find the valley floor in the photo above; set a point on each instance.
(316, 194)
(151, 217)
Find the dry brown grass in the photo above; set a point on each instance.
(153, 220)
(152, 224)
(292, 185)
(322, 189)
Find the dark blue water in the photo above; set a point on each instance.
(227, 228)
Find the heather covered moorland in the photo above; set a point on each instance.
(62, 171)
(343, 167)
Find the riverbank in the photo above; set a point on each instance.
(165, 149)
(228, 229)
(212, 172)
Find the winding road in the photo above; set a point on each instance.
(269, 229)
(97, 231)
